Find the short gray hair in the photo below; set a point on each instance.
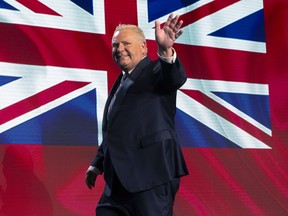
(134, 28)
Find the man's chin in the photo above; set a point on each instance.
(122, 64)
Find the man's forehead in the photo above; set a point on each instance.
(121, 32)
(116, 34)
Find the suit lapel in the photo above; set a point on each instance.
(120, 96)
(129, 81)
(139, 68)
(112, 92)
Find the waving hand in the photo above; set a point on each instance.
(166, 36)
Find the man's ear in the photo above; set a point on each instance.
(144, 47)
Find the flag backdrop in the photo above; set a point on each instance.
(56, 71)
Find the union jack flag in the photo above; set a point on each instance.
(56, 71)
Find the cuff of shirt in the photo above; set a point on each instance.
(169, 60)
(94, 170)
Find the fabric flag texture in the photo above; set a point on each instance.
(232, 122)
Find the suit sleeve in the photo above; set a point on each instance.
(173, 76)
(98, 160)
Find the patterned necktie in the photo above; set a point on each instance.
(115, 94)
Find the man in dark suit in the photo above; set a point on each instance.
(140, 156)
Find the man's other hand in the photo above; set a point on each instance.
(90, 179)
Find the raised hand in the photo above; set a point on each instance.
(166, 36)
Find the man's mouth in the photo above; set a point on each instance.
(121, 56)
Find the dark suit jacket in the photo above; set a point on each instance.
(139, 138)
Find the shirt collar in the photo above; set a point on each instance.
(129, 72)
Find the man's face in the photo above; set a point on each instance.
(127, 49)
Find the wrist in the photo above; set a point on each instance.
(166, 53)
(94, 170)
(169, 59)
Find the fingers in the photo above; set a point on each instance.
(174, 24)
(166, 36)
(157, 24)
(90, 179)
(177, 26)
(169, 20)
(178, 34)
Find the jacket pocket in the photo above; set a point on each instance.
(155, 138)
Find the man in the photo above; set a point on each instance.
(140, 156)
